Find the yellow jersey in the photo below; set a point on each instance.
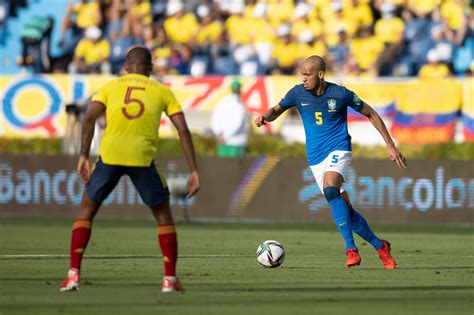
(453, 13)
(366, 51)
(434, 71)
(181, 30)
(423, 6)
(86, 14)
(312, 24)
(390, 30)
(209, 33)
(287, 54)
(280, 12)
(133, 106)
(317, 48)
(143, 9)
(93, 52)
(239, 29)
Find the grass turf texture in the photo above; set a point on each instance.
(435, 274)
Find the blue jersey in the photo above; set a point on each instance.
(324, 118)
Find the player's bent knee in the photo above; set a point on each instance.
(331, 193)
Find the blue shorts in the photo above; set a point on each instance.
(150, 185)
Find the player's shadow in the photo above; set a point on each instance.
(347, 288)
(421, 268)
(435, 267)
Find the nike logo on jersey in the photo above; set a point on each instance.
(304, 104)
(342, 224)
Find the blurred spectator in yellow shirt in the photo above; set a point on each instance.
(360, 12)
(336, 21)
(434, 69)
(140, 12)
(303, 21)
(366, 48)
(280, 11)
(261, 30)
(423, 8)
(262, 34)
(238, 25)
(286, 52)
(91, 54)
(308, 45)
(180, 27)
(162, 47)
(79, 16)
(453, 12)
(209, 28)
(390, 28)
(249, 7)
(209, 31)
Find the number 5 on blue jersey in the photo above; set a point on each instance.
(319, 118)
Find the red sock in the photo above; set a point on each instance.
(81, 232)
(169, 247)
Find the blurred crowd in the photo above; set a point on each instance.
(429, 38)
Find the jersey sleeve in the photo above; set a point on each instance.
(101, 96)
(171, 103)
(289, 99)
(353, 100)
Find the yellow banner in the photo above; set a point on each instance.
(468, 97)
(440, 96)
(35, 105)
(377, 94)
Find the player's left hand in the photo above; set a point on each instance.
(396, 156)
(192, 186)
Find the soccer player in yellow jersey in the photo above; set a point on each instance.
(133, 104)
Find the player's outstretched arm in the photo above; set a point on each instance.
(186, 140)
(88, 125)
(270, 115)
(394, 154)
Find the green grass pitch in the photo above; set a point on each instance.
(217, 265)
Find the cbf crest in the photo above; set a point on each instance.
(331, 105)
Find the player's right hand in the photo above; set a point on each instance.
(192, 187)
(84, 168)
(260, 121)
(396, 156)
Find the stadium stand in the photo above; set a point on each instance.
(357, 37)
(10, 48)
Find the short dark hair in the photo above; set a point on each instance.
(318, 62)
(139, 56)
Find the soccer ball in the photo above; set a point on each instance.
(270, 254)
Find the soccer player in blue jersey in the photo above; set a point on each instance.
(323, 109)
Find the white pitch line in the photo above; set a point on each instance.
(39, 256)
